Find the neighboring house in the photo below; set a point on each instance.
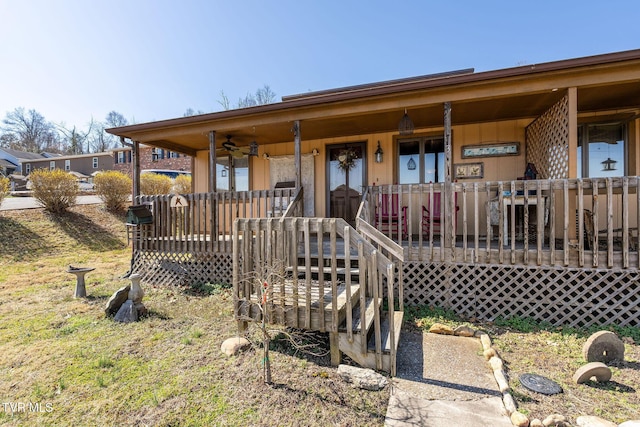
(84, 164)
(19, 159)
(151, 158)
(512, 192)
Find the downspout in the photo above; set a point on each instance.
(135, 160)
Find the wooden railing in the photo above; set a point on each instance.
(573, 222)
(273, 247)
(204, 224)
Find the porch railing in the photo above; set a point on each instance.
(573, 222)
(205, 223)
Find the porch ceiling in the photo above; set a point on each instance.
(189, 139)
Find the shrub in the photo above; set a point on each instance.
(114, 188)
(182, 185)
(4, 188)
(153, 183)
(56, 190)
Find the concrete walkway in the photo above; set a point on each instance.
(444, 381)
(16, 203)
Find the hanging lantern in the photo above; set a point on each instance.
(411, 164)
(378, 154)
(609, 164)
(253, 149)
(405, 127)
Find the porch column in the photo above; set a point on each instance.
(135, 157)
(297, 153)
(212, 161)
(449, 200)
(572, 94)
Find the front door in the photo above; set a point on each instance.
(346, 175)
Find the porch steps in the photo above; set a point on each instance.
(354, 349)
(314, 269)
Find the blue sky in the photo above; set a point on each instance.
(72, 60)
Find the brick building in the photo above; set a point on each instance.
(151, 158)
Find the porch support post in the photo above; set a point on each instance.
(449, 200)
(297, 153)
(572, 94)
(135, 157)
(212, 161)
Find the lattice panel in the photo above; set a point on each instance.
(162, 268)
(571, 297)
(547, 141)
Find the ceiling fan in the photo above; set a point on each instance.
(235, 151)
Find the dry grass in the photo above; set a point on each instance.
(83, 369)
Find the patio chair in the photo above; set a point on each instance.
(433, 215)
(389, 216)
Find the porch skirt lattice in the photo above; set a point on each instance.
(560, 296)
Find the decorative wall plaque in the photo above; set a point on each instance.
(491, 150)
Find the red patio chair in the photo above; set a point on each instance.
(389, 215)
(434, 215)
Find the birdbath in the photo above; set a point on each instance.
(81, 290)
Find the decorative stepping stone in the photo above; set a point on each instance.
(590, 370)
(540, 384)
(603, 346)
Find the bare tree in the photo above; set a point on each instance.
(262, 96)
(191, 112)
(113, 120)
(29, 131)
(77, 140)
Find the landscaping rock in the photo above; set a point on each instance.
(489, 353)
(464, 331)
(536, 423)
(603, 346)
(439, 328)
(116, 300)
(496, 363)
(232, 346)
(486, 341)
(519, 420)
(127, 313)
(630, 423)
(592, 421)
(590, 370)
(366, 379)
(554, 420)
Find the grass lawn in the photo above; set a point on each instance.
(64, 363)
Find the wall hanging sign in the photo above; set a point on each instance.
(468, 170)
(491, 150)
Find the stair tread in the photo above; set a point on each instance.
(369, 315)
(326, 270)
(385, 335)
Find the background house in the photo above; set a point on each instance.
(151, 158)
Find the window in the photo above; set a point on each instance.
(173, 155)
(601, 150)
(52, 165)
(421, 160)
(28, 169)
(121, 157)
(232, 173)
(95, 163)
(67, 165)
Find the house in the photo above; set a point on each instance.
(83, 166)
(18, 162)
(151, 158)
(502, 193)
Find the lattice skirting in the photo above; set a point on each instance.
(166, 268)
(560, 296)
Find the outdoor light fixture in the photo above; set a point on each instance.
(253, 149)
(405, 127)
(609, 164)
(411, 164)
(265, 156)
(223, 173)
(378, 154)
(315, 152)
